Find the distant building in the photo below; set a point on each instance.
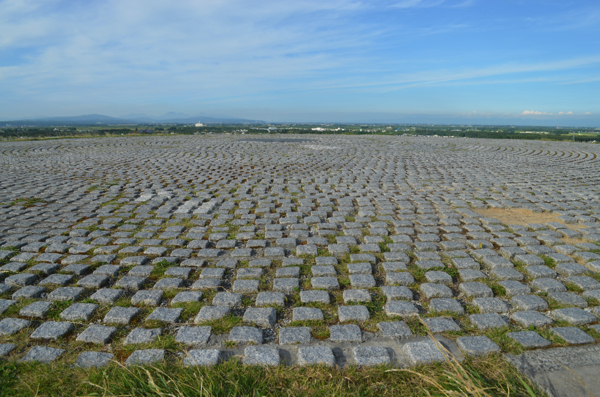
(198, 125)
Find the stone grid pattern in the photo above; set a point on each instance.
(349, 238)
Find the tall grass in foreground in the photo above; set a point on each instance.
(486, 376)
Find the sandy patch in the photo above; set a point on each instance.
(520, 216)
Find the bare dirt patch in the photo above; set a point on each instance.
(520, 216)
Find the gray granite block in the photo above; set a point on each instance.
(10, 326)
(52, 330)
(187, 296)
(142, 335)
(227, 299)
(130, 283)
(164, 314)
(193, 335)
(573, 315)
(6, 348)
(307, 314)
(442, 305)
(488, 320)
(399, 278)
(246, 335)
(28, 292)
(314, 296)
(369, 356)
(270, 298)
(356, 295)
(21, 280)
(261, 355)
(514, 288)
(97, 334)
(568, 298)
(400, 308)
(147, 297)
(477, 345)
(294, 335)
(529, 339)
(262, 317)
(490, 305)
(362, 280)
(93, 281)
(440, 324)
(355, 313)
(36, 309)
(121, 315)
(207, 357)
(345, 333)
(287, 285)
(316, 355)
(394, 329)
(431, 290)
(425, 352)
(326, 283)
(548, 285)
(573, 335)
(209, 313)
(42, 354)
(78, 311)
(530, 318)
(476, 290)
(529, 302)
(5, 304)
(93, 359)
(143, 357)
(397, 292)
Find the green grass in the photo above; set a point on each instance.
(485, 376)
(27, 201)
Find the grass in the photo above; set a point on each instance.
(485, 376)
(27, 201)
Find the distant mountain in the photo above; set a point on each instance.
(134, 118)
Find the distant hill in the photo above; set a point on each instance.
(137, 118)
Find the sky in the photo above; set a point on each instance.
(400, 61)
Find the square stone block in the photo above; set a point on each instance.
(93, 359)
(207, 357)
(316, 355)
(477, 345)
(193, 335)
(144, 357)
(246, 335)
(121, 315)
(369, 356)
(52, 330)
(164, 314)
(97, 334)
(345, 333)
(142, 335)
(294, 335)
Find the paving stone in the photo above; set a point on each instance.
(28, 292)
(52, 330)
(369, 356)
(261, 355)
(400, 278)
(400, 308)
(529, 339)
(475, 290)
(42, 354)
(209, 313)
(208, 357)
(78, 312)
(187, 296)
(425, 352)
(530, 318)
(442, 305)
(394, 329)
(355, 313)
(326, 283)
(144, 357)
(107, 296)
(477, 345)
(572, 335)
(246, 335)
(121, 315)
(142, 335)
(36, 309)
(93, 359)
(93, 281)
(167, 315)
(430, 290)
(99, 334)
(316, 355)
(145, 297)
(345, 333)
(294, 335)
(10, 326)
(529, 302)
(573, 315)
(193, 335)
(314, 297)
(262, 317)
(487, 320)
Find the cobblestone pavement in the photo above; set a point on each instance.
(300, 249)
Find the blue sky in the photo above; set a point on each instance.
(479, 61)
